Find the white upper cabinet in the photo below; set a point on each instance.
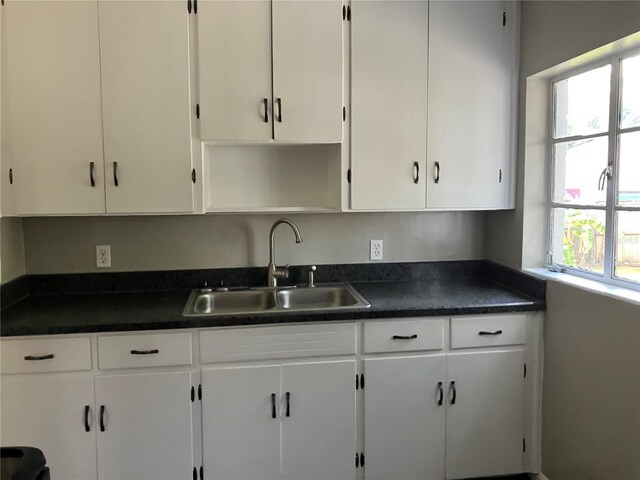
(388, 104)
(144, 51)
(471, 86)
(307, 70)
(52, 107)
(270, 70)
(234, 51)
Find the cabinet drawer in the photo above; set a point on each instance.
(291, 341)
(145, 350)
(488, 331)
(45, 355)
(403, 335)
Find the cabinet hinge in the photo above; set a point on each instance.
(525, 370)
(11, 176)
(362, 381)
(504, 18)
(195, 473)
(349, 176)
(348, 13)
(193, 175)
(189, 6)
(197, 110)
(193, 395)
(200, 392)
(524, 445)
(344, 114)
(201, 473)
(500, 176)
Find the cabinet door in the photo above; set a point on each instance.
(144, 51)
(389, 104)
(404, 418)
(240, 433)
(147, 426)
(485, 424)
(234, 64)
(52, 108)
(48, 413)
(307, 70)
(470, 92)
(318, 421)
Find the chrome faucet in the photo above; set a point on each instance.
(276, 272)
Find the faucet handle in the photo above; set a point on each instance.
(310, 273)
(221, 287)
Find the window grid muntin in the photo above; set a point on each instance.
(613, 133)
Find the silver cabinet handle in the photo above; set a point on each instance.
(279, 103)
(266, 110)
(416, 172)
(436, 172)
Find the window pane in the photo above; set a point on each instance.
(630, 111)
(628, 246)
(582, 103)
(578, 168)
(629, 174)
(578, 238)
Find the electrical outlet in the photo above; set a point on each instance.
(375, 252)
(103, 256)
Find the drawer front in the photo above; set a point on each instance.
(45, 355)
(290, 341)
(488, 331)
(144, 350)
(404, 335)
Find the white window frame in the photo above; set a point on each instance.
(613, 159)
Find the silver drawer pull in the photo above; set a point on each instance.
(405, 337)
(145, 352)
(39, 357)
(483, 333)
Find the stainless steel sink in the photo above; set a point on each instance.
(205, 302)
(317, 298)
(225, 303)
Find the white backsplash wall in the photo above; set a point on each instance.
(67, 245)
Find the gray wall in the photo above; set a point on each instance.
(591, 392)
(57, 245)
(552, 32)
(591, 399)
(12, 259)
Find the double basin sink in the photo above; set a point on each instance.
(329, 297)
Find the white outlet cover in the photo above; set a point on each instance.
(103, 256)
(375, 250)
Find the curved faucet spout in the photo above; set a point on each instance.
(274, 271)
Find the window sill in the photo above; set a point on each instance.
(589, 285)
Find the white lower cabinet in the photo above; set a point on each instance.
(416, 409)
(485, 413)
(295, 421)
(144, 426)
(48, 412)
(241, 422)
(404, 417)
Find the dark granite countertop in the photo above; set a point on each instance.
(481, 291)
